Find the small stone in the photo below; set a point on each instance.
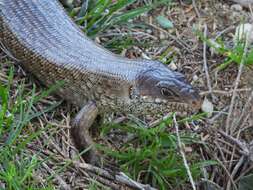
(236, 7)
(164, 22)
(172, 66)
(145, 14)
(162, 36)
(145, 56)
(97, 40)
(164, 60)
(207, 107)
(149, 31)
(188, 149)
(195, 77)
(8, 114)
(107, 11)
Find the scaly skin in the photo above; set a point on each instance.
(48, 44)
(245, 3)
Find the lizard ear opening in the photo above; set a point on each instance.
(132, 93)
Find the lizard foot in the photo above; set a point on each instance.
(80, 132)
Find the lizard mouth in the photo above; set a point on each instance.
(177, 106)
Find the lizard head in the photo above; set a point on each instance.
(163, 90)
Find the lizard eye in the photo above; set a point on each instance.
(166, 92)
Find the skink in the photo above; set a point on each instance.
(49, 45)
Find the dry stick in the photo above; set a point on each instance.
(244, 172)
(205, 64)
(127, 179)
(139, 33)
(241, 145)
(220, 150)
(158, 121)
(57, 148)
(251, 11)
(228, 29)
(117, 177)
(233, 156)
(182, 154)
(228, 152)
(7, 52)
(62, 183)
(180, 42)
(227, 143)
(224, 92)
(247, 127)
(245, 110)
(204, 171)
(226, 171)
(235, 88)
(224, 160)
(236, 168)
(195, 8)
(220, 113)
(246, 166)
(105, 182)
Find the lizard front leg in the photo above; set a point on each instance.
(80, 131)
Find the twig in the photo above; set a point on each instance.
(195, 8)
(156, 122)
(228, 29)
(227, 172)
(7, 52)
(126, 34)
(242, 146)
(182, 154)
(180, 42)
(205, 63)
(224, 92)
(125, 178)
(251, 11)
(232, 156)
(106, 182)
(116, 177)
(244, 172)
(244, 111)
(236, 86)
(236, 168)
(215, 186)
(62, 183)
(220, 113)
(220, 150)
